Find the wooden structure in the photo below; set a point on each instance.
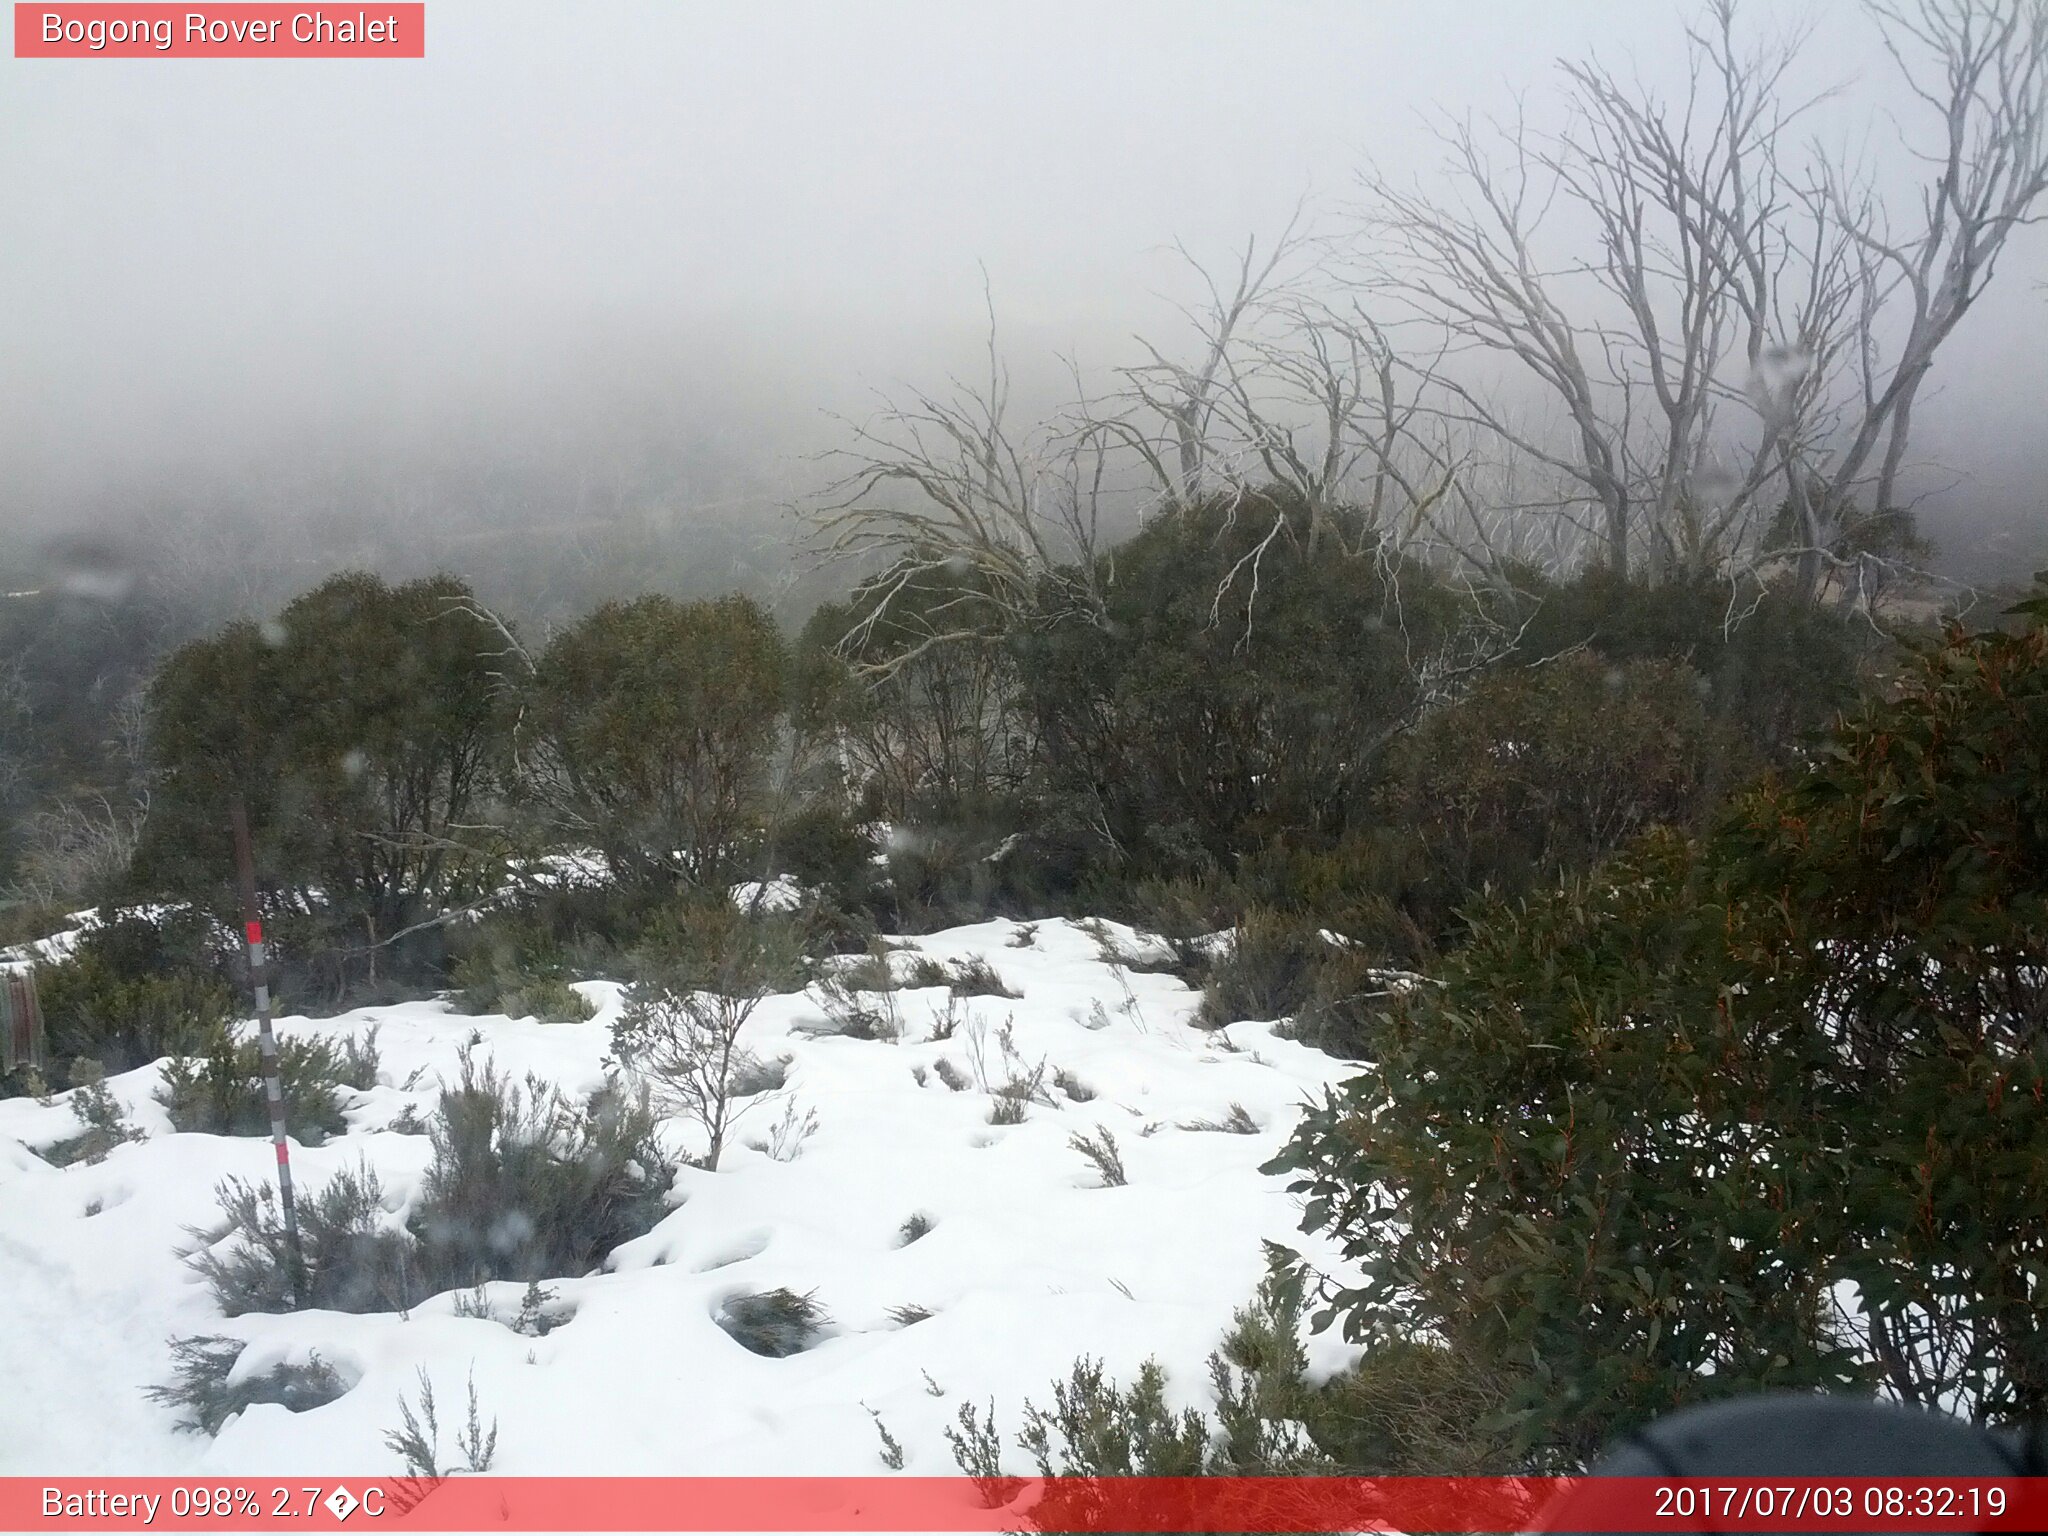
(22, 1043)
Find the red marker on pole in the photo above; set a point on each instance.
(273, 1088)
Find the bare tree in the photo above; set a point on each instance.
(1281, 382)
(1324, 409)
(945, 487)
(1684, 200)
(1167, 412)
(1723, 348)
(1980, 68)
(79, 849)
(941, 729)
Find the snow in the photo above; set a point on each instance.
(782, 894)
(61, 945)
(53, 947)
(1029, 1261)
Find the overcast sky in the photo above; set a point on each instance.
(748, 207)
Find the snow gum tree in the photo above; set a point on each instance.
(651, 734)
(366, 728)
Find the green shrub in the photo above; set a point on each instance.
(547, 998)
(654, 725)
(932, 731)
(832, 928)
(873, 973)
(221, 1090)
(1575, 1122)
(1008, 858)
(362, 1060)
(1542, 771)
(366, 730)
(1777, 669)
(356, 1259)
(95, 1008)
(553, 925)
(418, 1441)
(24, 919)
(526, 1186)
(1415, 1408)
(687, 1009)
(1238, 1122)
(858, 1013)
(1664, 1117)
(1347, 1002)
(514, 964)
(916, 1225)
(99, 1112)
(206, 1399)
(134, 943)
(1268, 971)
(975, 977)
(319, 969)
(1097, 1429)
(1250, 665)
(823, 848)
(1184, 914)
(775, 1323)
(1895, 897)
(523, 1186)
(709, 944)
(1101, 1150)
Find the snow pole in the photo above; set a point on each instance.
(273, 1088)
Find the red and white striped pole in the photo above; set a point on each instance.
(273, 1088)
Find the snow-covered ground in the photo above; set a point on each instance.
(55, 946)
(1029, 1262)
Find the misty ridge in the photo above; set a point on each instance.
(387, 419)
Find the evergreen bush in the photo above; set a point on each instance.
(221, 1090)
(98, 1112)
(775, 1323)
(206, 1398)
(526, 1186)
(1666, 1117)
(135, 989)
(1268, 970)
(357, 1258)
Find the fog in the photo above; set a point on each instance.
(627, 260)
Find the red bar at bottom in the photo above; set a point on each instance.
(917, 1504)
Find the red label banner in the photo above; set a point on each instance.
(920, 1504)
(246, 31)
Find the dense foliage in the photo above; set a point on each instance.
(1645, 1129)
(365, 731)
(653, 724)
(136, 986)
(1237, 689)
(1240, 726)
